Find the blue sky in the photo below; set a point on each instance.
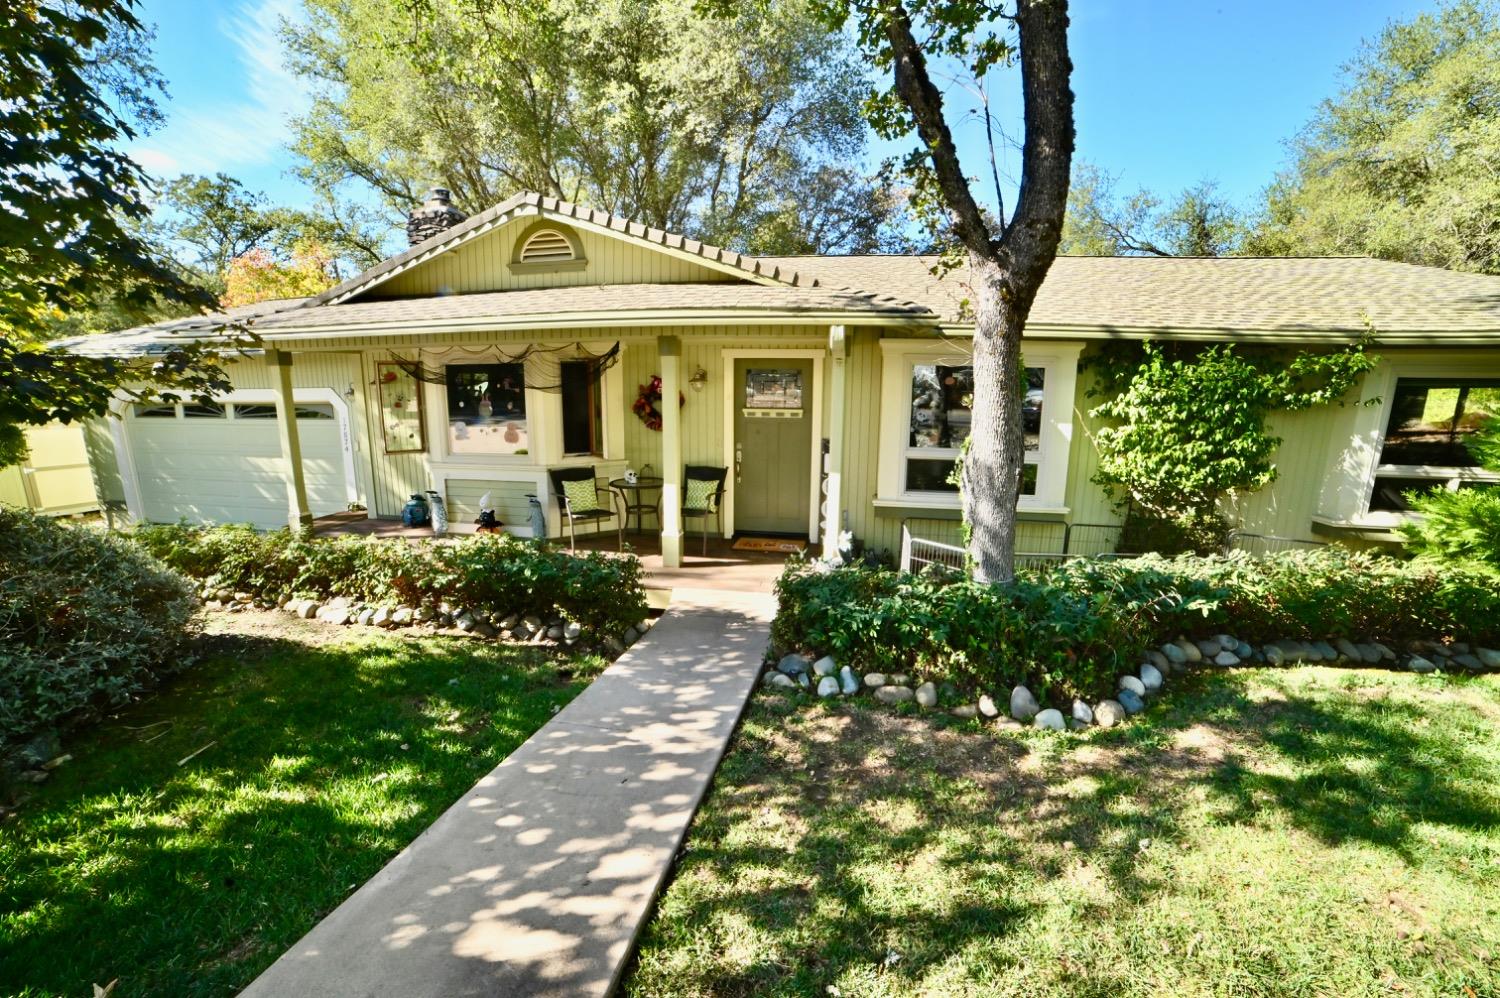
(1168, 91)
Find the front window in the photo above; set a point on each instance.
(583, 416)
(1430, 425)
(487, 409)
(941, 397)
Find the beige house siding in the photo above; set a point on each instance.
(483, 265)
(55, 478)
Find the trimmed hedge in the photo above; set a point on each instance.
(493, 571)
(1069, 630)
(86, 620)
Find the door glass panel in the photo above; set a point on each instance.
(773, 388)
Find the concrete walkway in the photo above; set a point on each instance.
(537, 881)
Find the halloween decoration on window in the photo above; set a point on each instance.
(647, 404)
(400, 408)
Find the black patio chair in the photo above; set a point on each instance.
(706, 498)
(577, 507)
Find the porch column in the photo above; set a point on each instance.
(669, 349)
(298, 512)
(833, 493)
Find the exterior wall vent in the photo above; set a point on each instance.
(546, 246)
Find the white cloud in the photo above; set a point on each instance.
(249, 131)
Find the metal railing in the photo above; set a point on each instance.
(938, 544)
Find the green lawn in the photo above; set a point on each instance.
(324, 760)
(1299, 832)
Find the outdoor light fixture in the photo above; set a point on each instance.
(698, 380)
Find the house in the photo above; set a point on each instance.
(502, 345)
(54, 480)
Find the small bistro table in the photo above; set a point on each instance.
(636, 494)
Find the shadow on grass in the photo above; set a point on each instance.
(317, 765)
(826, 824)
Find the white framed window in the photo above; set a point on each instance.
(927, 390)
(1429, 424)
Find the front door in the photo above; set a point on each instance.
(773, 439)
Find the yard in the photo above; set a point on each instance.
(316, 755)
(1311, 831)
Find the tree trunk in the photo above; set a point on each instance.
(996, 456)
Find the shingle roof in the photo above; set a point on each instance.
(1229, 294)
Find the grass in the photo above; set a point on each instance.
(323, 761)
(1301, 832)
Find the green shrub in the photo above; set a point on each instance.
(86, 619)
(1455, 526)
(1070, 629)
(494, 571)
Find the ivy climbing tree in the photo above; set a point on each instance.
(1186, 428)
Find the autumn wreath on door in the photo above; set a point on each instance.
(647, 404)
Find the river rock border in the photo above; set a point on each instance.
(475, 622)
(826, 678)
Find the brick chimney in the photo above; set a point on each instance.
(437, 215)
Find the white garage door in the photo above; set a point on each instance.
(222, 463)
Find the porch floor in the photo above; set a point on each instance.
(722, 568)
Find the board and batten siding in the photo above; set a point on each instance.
(483, 265)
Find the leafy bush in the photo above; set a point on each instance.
(1070, 629)
(1462, 525)
(494, 571)
(86, 619)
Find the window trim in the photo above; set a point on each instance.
(596, 414)
(1059, 363)
(533, 412)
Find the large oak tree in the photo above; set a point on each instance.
(1008, 255)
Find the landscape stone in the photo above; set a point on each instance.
(338, 617)
(1228, 641)
(848, 681)
(965, 711)
(803, 681)
(1275, 654)
(464, 621)
(1209, 647)
(1369, 653)
(1326, 649)
(894, 694)
(1108, 713)
(401, 616)
(382, 617)
(1189, 650)
(1050, 718)
(825, 666)
(1385, 653)
(1419, 664)
(1133, 685)
(1082, 712)
(1348, 650)
(1174, 654)
(1243, 649)
(1159, 660)
(367, 616)
(874, 680)
(1023, 705)
(900, 679)
(572, 631)
(987, 706)
(1151, 678)
(1226, 658)
(1489, 657)
(1470, 662)
(792, 665)
(927, 695)
(615, 646)
(1132, 703)
(307, 609)
(555, 632)
(484, 629)
(828, 687)
(630, 637)
(779, 680)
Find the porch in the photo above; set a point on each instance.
(722, 567)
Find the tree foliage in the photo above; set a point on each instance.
(1199, 221)
(258, 276)
(70, 89)
(1404, 163)
(1186, 427)
(734, 131)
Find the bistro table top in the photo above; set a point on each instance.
(643, 482)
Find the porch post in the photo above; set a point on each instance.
(298, 512)
(669, 348)
(833, 495)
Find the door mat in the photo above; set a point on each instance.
(772, 545)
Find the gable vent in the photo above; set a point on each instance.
(546, 246)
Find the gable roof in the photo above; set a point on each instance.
(1139, 295)
(528, 203)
